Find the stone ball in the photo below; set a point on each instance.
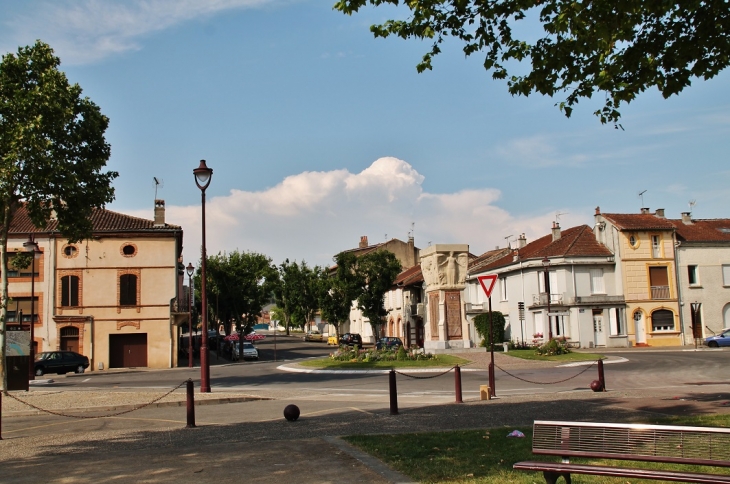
(291, 412)
(596, 386)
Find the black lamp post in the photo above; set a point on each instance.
(190, 269)
(203, 174)
(30, 245)
(546, 265)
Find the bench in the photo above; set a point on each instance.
(705, 446)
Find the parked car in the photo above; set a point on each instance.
(249, 351)
(60, 362)
(351, 339)
(333, 340)
(388, 343)
(722, 339)
(313, 335)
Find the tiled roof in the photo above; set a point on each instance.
(487, 257)
(576, 241)
(638, 221)
(410, 276)
(103, 220)
(709, 230)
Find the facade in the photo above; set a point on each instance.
(579, 300)
(406, 310)
(644, 247)
(113, 298)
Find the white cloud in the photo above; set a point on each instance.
(86, 31)
(538, 151)
(313, 215)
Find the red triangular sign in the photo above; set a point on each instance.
(487, 283)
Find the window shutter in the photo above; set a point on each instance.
(597, 281)
(74, 292)
(65, 291)
(613, 322)
(726, 275)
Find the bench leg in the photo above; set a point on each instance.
(552, 477)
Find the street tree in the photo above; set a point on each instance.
(339, 289)
(52, 155)
(377, 271)
(298, 293)
(614, 49)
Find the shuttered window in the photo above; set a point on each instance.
(128, 290)
(597, 281)
(69, 291)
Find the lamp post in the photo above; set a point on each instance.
(203, 174)
(546, 265)
(190, 269)
(31, 246)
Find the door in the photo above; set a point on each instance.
(408, 334)
(70, 339)
(640, 328)
(420, 331)
(599, 336)
(127, 350)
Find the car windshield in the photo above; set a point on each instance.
(247, 346)
(42, 356)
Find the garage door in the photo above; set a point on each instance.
(127, 350)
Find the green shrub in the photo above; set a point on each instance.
(402, 354)
(553, 347)
(481, 324)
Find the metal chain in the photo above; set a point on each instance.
(549, 382)
(425, 377)
(95, 416)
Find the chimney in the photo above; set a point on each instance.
(521, 241)
(363, 241)
(515, 255)
(659, 212)
(598, 210)
(159, 213)
(687, 218)
(556, 231)
(645, 211)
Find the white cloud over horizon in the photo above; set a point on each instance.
(314, 215)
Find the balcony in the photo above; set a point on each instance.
(660, 292)
(475, 307)
(542, 299)
(598, 299)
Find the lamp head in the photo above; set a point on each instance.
(31, 245)
(546, 262)
(203, 174)
(190, 269)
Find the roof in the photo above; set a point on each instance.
(576, 241)
(708, 230)
(638, 221)
(103, 220)
(409, 276)
(488, 257)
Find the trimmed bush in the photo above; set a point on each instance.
(481, 324)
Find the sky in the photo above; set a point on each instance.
(318, 133)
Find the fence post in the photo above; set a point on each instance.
(393, 394)
(457, 384)
(190, 404)
(601, 377)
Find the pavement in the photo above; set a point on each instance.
(252, 441)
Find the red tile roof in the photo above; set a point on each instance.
(487, 257)
(708, 230)
(638, 221)
(575, 241)
(409, 276)
(103, 220)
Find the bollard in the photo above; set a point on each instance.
(393, 394)
(1, 415)
(491, 380)
(191, 405)
(457, 384)
(601, 377)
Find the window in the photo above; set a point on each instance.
(70, 251)
(662, 320)
(693, 275)
(503, 288)
(659, 281)
(128, 290)
(19, 310)
(129, 250)
(726, 275)
(633, 241)
(656, 247)
(18, 271)
(614, 317)
(597, 281)
(70, 291)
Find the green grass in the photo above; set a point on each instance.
(441, 361)
(531, 355)
(487, 456)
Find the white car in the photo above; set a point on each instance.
(249, 351)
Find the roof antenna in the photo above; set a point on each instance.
(692, 204)
(641, 195)
(158, 182)
(509, 246)
(558, 214)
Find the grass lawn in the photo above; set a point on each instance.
(442, 361)
(487, 456)
(531, 355)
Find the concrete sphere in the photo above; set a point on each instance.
(596, 386)
(291, 412)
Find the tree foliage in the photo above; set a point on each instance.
(340, 289)
(52, 153)
(481, 324)
(377, 271)
(615, 48)
(298, 294)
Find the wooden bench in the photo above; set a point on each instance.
(706, 446)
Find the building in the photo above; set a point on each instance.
(113, 298)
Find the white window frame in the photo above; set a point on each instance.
(597, 285)
(726, 274)
(693, 270)
(503, 288)
(656, 246)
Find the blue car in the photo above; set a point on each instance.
(722, 339)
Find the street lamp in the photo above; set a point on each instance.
(546, 265)
(203, 174)
(190, 269)
(30, 245)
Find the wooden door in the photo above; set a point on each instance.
(128, 350)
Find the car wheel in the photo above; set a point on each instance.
(713, 344)
(80, 369)
(39, 371)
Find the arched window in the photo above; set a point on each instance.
(70, 291)
(662, 320)
(128, 290)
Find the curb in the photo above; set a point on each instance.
(295, 368)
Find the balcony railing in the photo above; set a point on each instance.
(660, 292)
(598, 299)
(475, 307)
(542, 299)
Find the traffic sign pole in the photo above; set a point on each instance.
(491, 339)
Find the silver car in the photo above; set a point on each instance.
(249, 351)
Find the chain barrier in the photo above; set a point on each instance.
(425, 377)
(549, 382)
(60, 414)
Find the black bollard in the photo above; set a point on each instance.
(601, 377)
(393, 394)
(457, 384)
(191, 404)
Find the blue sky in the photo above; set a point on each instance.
(318, 133)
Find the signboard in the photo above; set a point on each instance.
(487, 283)
(17, 343)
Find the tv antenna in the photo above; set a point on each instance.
(558, 214)
(508, 241)
(641, 195)
(692, 204)
(159, 182)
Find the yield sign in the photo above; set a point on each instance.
(487, 283)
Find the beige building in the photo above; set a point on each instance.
(113, 298)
